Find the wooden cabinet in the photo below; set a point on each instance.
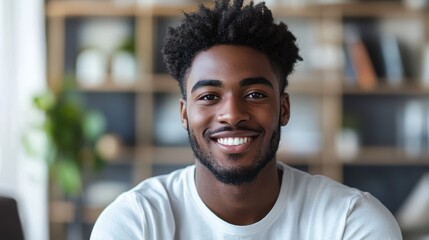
(143, 113)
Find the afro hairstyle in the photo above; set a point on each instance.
(230, 22)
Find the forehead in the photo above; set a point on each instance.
(230, 64)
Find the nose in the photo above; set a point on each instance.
(233, 112)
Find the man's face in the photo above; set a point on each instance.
(233, 112)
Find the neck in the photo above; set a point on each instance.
(240, 204)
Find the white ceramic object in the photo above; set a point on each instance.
(104, 33)
(91, 67)
(416, 4)
(425, 67)
(413, 128)
(414, 213)
(332, 57)
(347, 144)
(123, 67)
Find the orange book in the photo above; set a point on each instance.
(365, 73)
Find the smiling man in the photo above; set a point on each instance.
(232, 62)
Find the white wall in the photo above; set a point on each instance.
(22, 74)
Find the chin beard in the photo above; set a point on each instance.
(235, 176)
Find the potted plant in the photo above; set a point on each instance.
(70, 132)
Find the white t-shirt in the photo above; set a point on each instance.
(308, 207)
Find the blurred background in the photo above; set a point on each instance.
(88, 111)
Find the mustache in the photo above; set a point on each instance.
(230, 129)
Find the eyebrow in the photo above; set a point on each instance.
(207, 83)
(256, 80)
(243, 83)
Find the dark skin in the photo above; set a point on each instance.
(236, 87)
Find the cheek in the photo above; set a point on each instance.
(198, 117)
(269, 115)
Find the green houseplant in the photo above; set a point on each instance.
(71, 132)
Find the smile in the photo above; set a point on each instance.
(230, 141)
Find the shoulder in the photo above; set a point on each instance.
(129, 216)
(303, 183)
(366, 209)
(343, 211)
(122, 218)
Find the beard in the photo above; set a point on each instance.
(240, 175)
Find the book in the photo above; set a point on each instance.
(392, 60)
(360, 60)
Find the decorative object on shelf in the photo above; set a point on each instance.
(347, 142)
(109, 146)
(411, 128)
(414, 212)
(108, 48)
(416, 4)
(331, 55)
(91, 67)
(123, 68)
(106, 33)
(123, 64)
(71, 132)
(425, 67)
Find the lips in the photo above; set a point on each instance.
(235, 141)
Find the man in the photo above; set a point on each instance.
(232, 63)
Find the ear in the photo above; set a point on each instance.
(284, 109)
(183, 113)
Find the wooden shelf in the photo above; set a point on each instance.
(65, 212)
(298, 159)
(369, 9)
(61, 211)
(384, 89)
(173, 155)
(82, 8)
(90, 214)
(385, 156)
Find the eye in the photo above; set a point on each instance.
(209, 97)
(256, 95)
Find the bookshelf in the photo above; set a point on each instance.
(319, 86)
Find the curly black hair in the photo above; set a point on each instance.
(230, 23)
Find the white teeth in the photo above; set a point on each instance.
(233, 141)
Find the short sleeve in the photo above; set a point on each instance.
(368, 219)
(120, 220)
